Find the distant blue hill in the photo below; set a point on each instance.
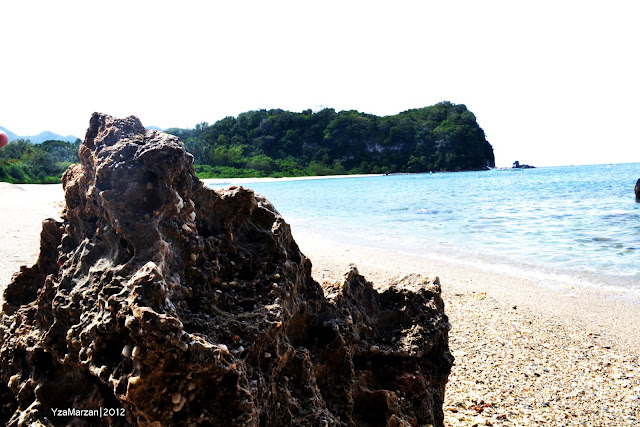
(39, 138)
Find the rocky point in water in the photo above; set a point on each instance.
(158, 301)
(637, 189)
(517, 165)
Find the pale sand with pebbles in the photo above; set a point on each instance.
(526, 353)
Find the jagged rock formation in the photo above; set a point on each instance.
(172, 304)
(638, 190)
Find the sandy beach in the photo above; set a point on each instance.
(22, 210)
(526, 353)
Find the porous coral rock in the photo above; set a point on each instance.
(169, 303)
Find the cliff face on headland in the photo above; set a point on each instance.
(172, 304)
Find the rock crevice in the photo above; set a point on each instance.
(175, 304)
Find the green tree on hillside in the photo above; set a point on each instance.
(24, 163)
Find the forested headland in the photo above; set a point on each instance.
(442, 137)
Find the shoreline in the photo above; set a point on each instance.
(240, 181)
(538, 275)
(615, 315)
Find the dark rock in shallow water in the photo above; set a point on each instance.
(638, 190)
(517, 165)
(173, 304)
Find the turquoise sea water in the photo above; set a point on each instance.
(578, 224)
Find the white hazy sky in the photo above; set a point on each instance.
(550, 82)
